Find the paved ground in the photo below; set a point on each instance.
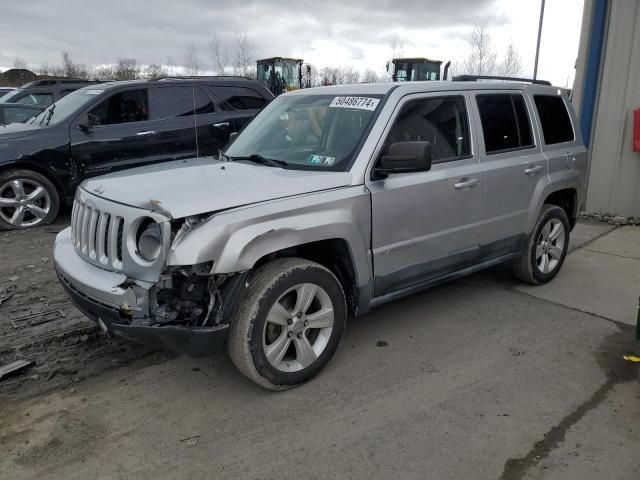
(477, 379)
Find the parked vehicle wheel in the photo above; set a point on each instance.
(289, 325)
(27, 199)
(546, 247)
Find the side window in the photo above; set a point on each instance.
(122, 107)
(239, 98)
(556, 124)
(179, 101)
(171, 102)
(505, 122)
(45, 99)
(441, 121)
(202, 102)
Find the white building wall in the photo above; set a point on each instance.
(614, 182)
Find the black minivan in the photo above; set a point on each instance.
(112, 126)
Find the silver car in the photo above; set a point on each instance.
(331, 201)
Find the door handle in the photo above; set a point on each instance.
(146, 133)
(466, 183)
(532, 170)
(221, 125)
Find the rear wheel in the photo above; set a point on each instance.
(289, 325)
(27, 199)
(546, 247)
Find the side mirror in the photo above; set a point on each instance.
(404, 157)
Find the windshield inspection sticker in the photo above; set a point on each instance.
(93, 92)
(361, 103)
(321, 160)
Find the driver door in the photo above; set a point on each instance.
(426, 225)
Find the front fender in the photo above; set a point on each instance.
(236, 239)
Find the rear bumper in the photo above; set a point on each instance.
(103, 296)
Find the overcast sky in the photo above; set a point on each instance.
(323, 32)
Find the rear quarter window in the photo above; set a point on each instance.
(554, 118)
(239, 98)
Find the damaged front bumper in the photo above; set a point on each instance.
(121, 306)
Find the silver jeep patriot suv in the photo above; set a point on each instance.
(331, 201)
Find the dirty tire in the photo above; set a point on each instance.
(525, 267)
(31, 178)
(266, 287)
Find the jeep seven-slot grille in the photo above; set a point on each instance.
(97, 235)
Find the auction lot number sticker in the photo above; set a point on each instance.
(360, 103)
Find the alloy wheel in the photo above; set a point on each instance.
(550, 246)
(298, 327)
(24, 202)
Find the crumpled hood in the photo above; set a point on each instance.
(195, 186)
(16, 130)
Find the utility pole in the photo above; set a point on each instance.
(535, 67)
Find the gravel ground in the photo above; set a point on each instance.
(65, 349)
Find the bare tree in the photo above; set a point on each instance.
(71, 69)
(127, 69)
(154, 71)
(482, 56)
(370, 76)
(192, 62)
(43, 69)
(347, 75)
(328, 76)
(219, 52)
(104, 73)
(511, 65)
(19, 63)
(245, 57)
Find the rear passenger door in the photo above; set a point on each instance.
(426, 225)
(241, 103)
(515, 168)
(172, 127)
(214, 124)
(560, 143)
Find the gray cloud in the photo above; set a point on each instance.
(151, 31)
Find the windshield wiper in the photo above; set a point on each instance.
(256, 158)
(48, 114)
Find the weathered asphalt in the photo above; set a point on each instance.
(477, 379)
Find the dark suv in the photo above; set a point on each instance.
(112, 126)
(44, 92)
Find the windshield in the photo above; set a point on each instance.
(320, 132)
(8, 96)
(66, 106)
(425, 71)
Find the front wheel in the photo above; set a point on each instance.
(546, 247)
(289, 325)
(27, 199)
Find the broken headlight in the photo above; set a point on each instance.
(149, 240)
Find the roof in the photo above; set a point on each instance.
(415, 87)
(416, 59)
(198, 79)
(280, 58)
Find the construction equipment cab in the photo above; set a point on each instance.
(280, 75)
(415, 69)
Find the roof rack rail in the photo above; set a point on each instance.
(473, 78)
(202, 77)
(56, 81)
